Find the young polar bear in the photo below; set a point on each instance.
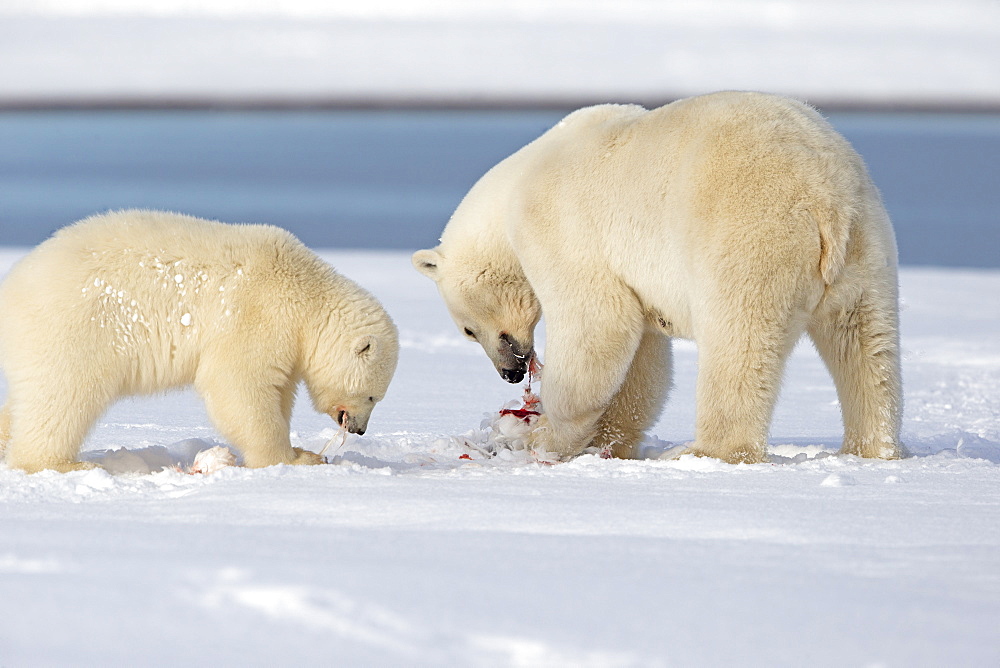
(137, 302)
(738, 220)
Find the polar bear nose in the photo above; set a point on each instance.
(512, 375)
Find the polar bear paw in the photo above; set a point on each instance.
(753, 453)
(306, 458)
(546, 446)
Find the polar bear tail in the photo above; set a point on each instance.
(836, 210)
(833, 233)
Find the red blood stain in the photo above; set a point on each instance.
(520, 413)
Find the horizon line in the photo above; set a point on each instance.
(446, 103)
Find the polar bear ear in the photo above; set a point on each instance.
(427, 262)
(364, 346)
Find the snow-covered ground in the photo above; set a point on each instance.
(892, 51)
(406, 553)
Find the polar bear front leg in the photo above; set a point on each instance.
(252, 415)
(638, 403)
(591, 343)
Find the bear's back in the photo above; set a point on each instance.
(152, 232)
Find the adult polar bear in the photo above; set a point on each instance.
(137, 302)
(736, 219)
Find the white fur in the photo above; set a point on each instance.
(137, 302)
(739, 220)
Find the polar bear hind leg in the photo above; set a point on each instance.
(857, 337)
(48, 427)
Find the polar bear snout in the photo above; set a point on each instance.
(513, 358)
(351, 421)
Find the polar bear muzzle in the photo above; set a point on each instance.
(513, 358)
(351, 423)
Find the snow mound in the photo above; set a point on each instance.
(212, 460)
(972, 446)
(839, 480)
(192, 455)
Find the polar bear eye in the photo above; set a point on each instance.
(470, 333)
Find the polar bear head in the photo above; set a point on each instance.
(492, 304)
(350, 368)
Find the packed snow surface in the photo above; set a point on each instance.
(420, 546)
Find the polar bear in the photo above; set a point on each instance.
(137, 302)
(736, 219)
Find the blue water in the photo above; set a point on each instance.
(390, 179)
